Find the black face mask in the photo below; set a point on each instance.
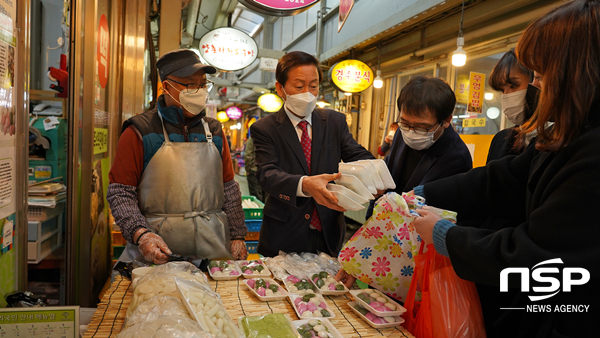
(531, 100)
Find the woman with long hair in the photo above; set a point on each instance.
(552, 187)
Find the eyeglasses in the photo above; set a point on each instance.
(418, 131)
(193, 88)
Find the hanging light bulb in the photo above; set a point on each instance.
(322, 103)
(347, 93)
(459, 57)
(378, 82)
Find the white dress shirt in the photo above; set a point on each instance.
(295, 121)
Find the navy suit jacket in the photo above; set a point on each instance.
(281, 163)
(448, 156)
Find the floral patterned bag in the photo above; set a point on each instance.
(381, 253)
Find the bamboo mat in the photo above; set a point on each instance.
(239, 301)
(109, 317)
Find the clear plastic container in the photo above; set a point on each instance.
(275, 325)
(224, 270)
(357, 309)
(314, 323)
(299, 284)
(327, 284)
(370, 297)
(253, 269)
(262, 292)
(304, 309)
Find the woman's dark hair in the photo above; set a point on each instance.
(427, 94)
(294, 59)
(500, 75)
(563, 46)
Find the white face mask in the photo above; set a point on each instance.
(300, 104)
(419, 142)
(194, 103)
(513, 106)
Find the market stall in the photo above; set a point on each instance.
(239, 301)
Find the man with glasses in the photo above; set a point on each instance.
(172, 187)
(427, 147)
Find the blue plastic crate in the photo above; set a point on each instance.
(251, 246)
(253, 225)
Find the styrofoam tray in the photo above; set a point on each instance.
(399, 321)
(317, 296)
(288, 284)
(265, 273)
(346, 202)
(356, 197)
(400, 309)
(354, 184)
(325, 322)
(282, 293)
(331, 292)
(374, 173)
(359, 171)
(384, 173)
(226, 277)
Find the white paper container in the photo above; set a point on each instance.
(384, 173)
(325, 322)
(374, 173)
(354, 184)
(400, 309)
(317, 296)
(140, 272)
(226, 277)
(300, 292)
(340, 188)
(399, 321)
(346, 202)
(281, 296)
(359, 171)
(264, 274)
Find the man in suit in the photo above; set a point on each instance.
(297, 151)
(427, 148)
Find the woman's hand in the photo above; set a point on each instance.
(345, 278)
(424, 224)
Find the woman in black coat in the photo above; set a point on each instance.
(552, 189)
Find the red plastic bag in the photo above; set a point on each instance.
(449, 305)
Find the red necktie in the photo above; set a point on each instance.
(305, 141)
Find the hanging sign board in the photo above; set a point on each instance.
(228, 49)
(476, 87)
(268, 64)
(351, 76)
(102, 51)
(345, 8)
(479, 122)
(279, 7)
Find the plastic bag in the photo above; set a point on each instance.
(155, 307)
(381, 253)
(160, 281)
(449, 305)
(276, 325)
(166, 326)
(206, 307)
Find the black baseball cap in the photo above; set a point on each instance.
(181, 63)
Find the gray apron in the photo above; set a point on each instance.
(181, 196)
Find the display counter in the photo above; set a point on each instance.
(239, 301)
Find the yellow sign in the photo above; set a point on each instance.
(462, 88)
(100, 140)
(469, 123)
(270, 102)
(351, 76)
(222, 117)
(476, 87)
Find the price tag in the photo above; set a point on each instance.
(469, 123)
(7, 236)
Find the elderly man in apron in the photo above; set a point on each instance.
(171, 184)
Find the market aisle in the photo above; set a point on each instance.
(243, 182)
